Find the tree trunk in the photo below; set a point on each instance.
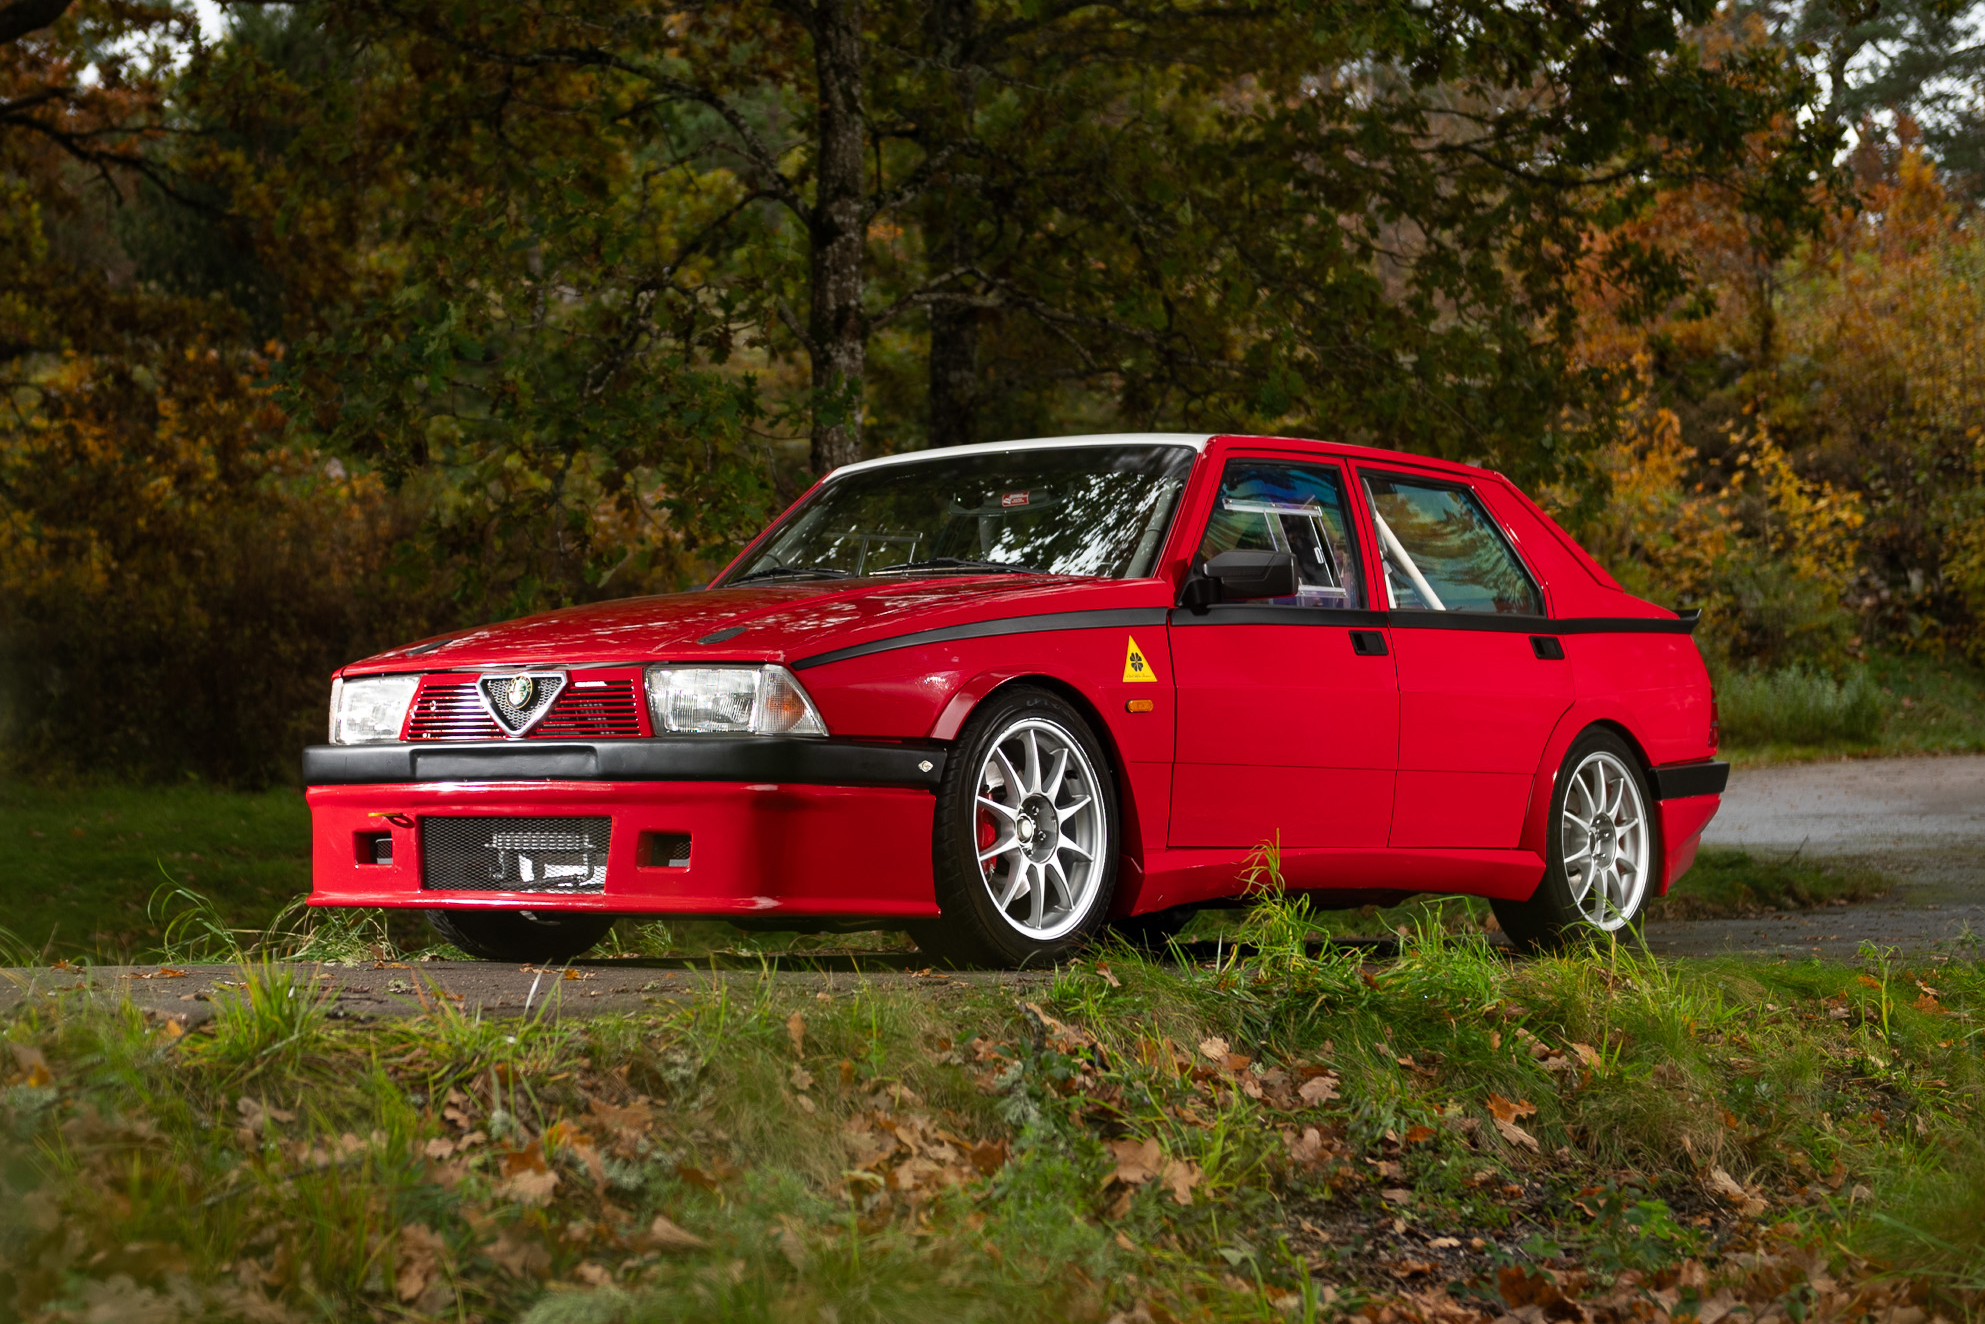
(953, 368)
(836, 324)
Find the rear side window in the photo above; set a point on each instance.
(1269, 505)
(1440, 551)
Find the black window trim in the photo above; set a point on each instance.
(1283, 612)
(1488, 513)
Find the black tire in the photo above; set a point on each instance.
(1153, 932)
(1554, 917)
(540, 937)
(975, 930)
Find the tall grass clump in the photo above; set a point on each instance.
(1799, 705)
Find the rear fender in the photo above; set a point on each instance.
(1581, 716)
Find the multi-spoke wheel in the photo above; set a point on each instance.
(1602, 835)
(1603, 849)
(1024, 846)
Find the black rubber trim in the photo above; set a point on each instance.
(1104, 619)
(707, 759)
(1678, 781)
(1251, 613)
(1512, 623)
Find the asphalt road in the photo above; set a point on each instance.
(1920, 821)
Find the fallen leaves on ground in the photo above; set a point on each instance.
(1504, 1113)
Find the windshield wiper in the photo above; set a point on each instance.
(792, 572)
(959, 563)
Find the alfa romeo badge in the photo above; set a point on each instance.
(521, 689)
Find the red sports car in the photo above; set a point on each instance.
(1006, 695)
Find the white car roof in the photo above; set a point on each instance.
(1196, 440)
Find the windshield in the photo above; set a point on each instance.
(1085, 510)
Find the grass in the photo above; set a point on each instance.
(1892, 706)
(87, 858)
(1725, 882)
(1445, 1135)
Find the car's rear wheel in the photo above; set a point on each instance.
(1024, 845)
(530, 937)
(1604, 850)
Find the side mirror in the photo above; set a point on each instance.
(1242, 575)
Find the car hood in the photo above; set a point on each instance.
(769, 622)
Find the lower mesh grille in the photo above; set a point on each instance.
(514, 854)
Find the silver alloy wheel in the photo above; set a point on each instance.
(1040, 828)
(1603, 833)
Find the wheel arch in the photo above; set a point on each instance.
(1575, 722)
(981, 689)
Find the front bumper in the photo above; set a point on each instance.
(757, 847)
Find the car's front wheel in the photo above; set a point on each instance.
(1024, 846)
(1603, 854)
(529, 937)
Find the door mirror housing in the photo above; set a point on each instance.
(1248, 574)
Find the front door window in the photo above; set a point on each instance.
(1265, 505)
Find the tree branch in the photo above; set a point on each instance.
(20, 17)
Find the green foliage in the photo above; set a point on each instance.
(1799, 705)
(1725, 882)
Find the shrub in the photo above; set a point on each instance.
(1799, 705)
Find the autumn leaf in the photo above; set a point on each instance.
(1748, 1202)
(1181, 1175)
(1214, 1049)
(1318, 1089)
(1108, 978)
(1504, 1113)
(796, 1031)
(420, 1257)
(666, 1234)
(519, 1254)
(1138, 1161)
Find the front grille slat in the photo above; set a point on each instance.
(496, 854)
(450, 710)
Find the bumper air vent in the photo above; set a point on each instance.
(514, 854)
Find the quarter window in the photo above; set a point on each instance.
(1441, 552)
(1268, 506)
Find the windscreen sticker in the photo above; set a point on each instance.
(1011, 499)
(1134, 665)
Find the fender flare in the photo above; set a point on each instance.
(1583, 714)
(966, 699)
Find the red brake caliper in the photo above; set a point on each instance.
(988, 834)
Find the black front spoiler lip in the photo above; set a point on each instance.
(783, 759)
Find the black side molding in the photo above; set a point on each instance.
(1678, 781)
(787, 759)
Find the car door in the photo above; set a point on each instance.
(1481, 681)
(1287, 708)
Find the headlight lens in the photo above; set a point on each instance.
(368, 709)
(761, 701)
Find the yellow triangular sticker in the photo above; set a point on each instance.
(1134, 665)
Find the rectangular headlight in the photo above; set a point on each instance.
(369, 709)
(760, 701)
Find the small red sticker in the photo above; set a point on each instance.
(1013, 499)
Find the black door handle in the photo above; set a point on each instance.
(1368, 643)
(1547, 648)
